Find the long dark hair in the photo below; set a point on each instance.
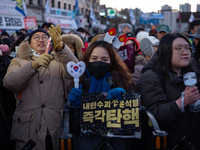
(119, 71)
(163, 63)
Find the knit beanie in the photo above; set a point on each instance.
(35, 31)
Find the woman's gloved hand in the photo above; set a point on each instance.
(55, 35)
(75, 96)
(116, 93)
(42, 60)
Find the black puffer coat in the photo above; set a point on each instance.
(7, 107)
(161, 102)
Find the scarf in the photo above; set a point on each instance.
(99, 85)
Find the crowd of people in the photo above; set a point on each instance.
(35, 84)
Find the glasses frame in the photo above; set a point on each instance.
(42, 37)
(183, 49)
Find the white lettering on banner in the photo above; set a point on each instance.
(11, 22)
(123, 55)
(30, 22)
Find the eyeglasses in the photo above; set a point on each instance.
(182, 49)
(37, 37)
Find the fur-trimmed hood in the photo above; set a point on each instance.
(24, 51)
(140, 59)
(74, 40)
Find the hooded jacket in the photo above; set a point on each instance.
(162, 104)
(74, 40)
(40, 96)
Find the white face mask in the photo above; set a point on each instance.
(36, 54)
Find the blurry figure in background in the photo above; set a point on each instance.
(194, 25)
(8, 42)
(82, 33)
(75, 43)
(162, 30)
(4, 35)
(195, 38)
(23, 31)
(131, 40)
(138, 29)
(129, 34)
(195, 62)
(87, 38)
(98, 37)
(19, 34)
(46, 26)
(153, 32)
(149, 46)
(141, 35)
(7, 102)
(87, 35)
(20, 39)
(126, 28)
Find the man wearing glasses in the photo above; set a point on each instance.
(38, 80)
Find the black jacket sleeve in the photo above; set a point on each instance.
(154, 98)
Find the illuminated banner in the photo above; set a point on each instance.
(111, 118)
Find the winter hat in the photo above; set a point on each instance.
(76, 41)
(146, 45)
(7, 41)
(35, 31)
(133, 39)
(140, 28)
(141, 35)
(4, 48)
(128, 25)
(129, 34)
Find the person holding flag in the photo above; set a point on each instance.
(38, 81)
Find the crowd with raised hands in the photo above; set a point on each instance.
(39, 85)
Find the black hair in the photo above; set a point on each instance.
(5, 33)
(48, 24)
(195, 22)
(140, 28)
(163, 63)
(22, 29)
(80, 29)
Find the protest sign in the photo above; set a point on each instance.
(112, 118)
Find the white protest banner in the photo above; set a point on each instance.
(11, 22)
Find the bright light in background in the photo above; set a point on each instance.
(147, 5)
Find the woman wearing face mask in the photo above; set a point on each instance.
(161, 86)
(105, 72)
